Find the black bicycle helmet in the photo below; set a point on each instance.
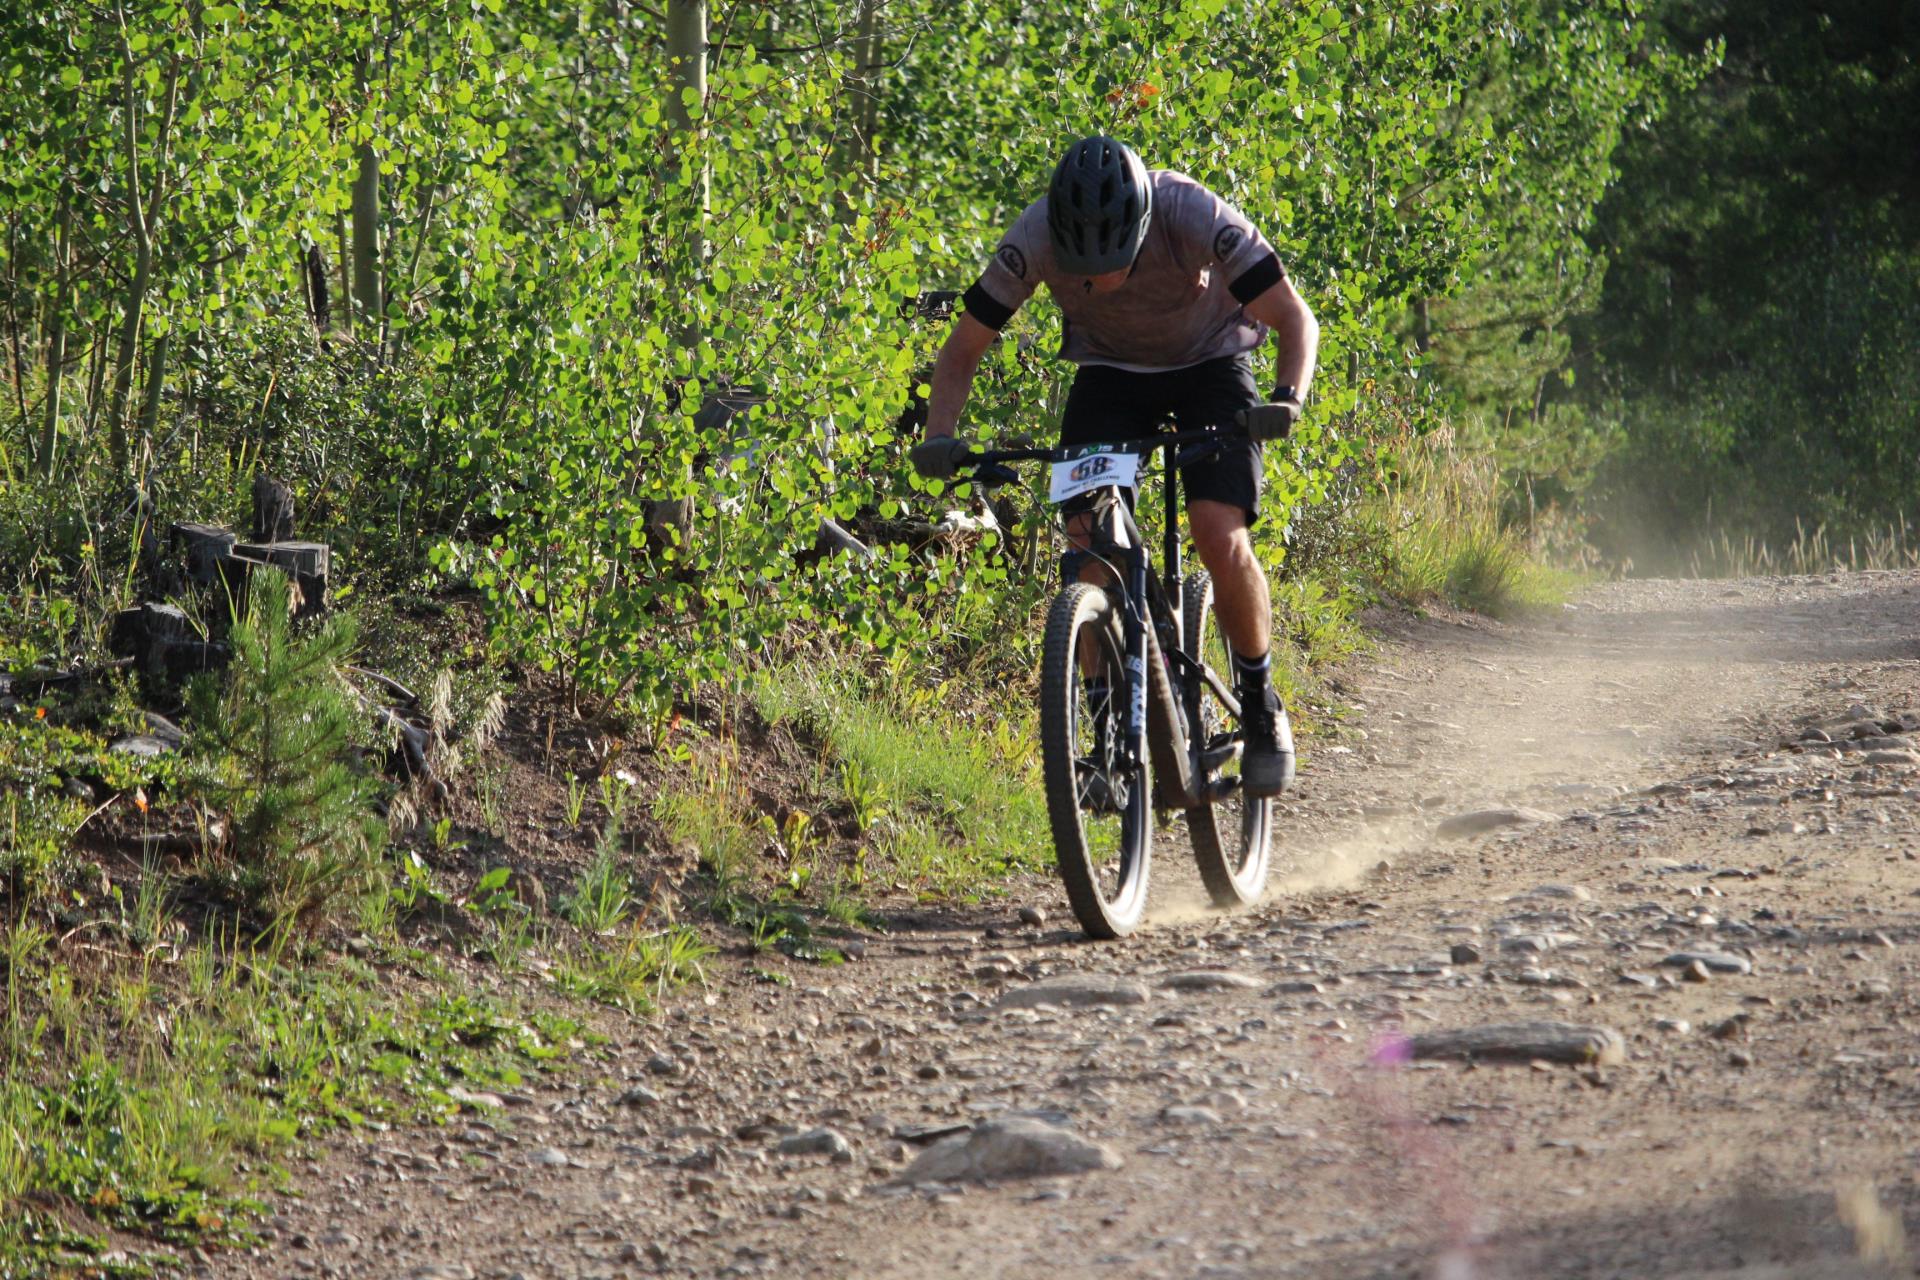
(1098, 207)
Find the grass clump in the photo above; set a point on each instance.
(602, 897)
(1811, 551)
(636, 972)
(948, 795)
(1444, 538)
(784, 903)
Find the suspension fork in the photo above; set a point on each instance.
(1134, 616)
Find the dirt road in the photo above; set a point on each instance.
(1688, 866)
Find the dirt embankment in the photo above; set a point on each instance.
(1679, 818)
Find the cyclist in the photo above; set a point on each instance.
(1166, 291)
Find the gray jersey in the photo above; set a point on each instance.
(1202, 261)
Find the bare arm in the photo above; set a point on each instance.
(1296, 335)
(953, 373)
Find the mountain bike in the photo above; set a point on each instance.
(1137, 711)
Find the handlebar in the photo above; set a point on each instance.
(990, 467)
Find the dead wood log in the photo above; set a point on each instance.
(832, 538)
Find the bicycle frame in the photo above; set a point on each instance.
(1160, 720)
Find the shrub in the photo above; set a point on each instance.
(303, 831)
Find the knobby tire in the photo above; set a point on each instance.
(1103, 857)
(1233, 836)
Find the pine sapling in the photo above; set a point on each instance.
(304, 829)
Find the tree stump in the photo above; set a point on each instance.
(272, 510)
(309, 564)
(144, 633)
(161, 640)
(200, 548)
(669, 522)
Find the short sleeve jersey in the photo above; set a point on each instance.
(1183, 304)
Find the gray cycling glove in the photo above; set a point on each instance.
(1272, 421)
(939, 457)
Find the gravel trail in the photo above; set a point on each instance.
(1588, 955)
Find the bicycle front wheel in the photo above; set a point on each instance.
(1097, 802)
(1232, 836)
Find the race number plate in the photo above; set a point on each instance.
(1091, 468)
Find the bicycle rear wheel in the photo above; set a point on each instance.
(1097, 804)
(1232, 836)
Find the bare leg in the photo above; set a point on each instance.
(1239, 584)
(1245, 612)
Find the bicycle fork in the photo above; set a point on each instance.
(1136, 627)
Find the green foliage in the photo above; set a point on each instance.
(1758, 346)
(157, 1122)
(567, 277)
(37, 814)
(304, 832)
(40, 758)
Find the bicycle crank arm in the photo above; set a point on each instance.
(1220, 754)
(1220, 788)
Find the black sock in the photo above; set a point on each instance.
(1253, 673)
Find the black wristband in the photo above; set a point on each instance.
(1284, 392)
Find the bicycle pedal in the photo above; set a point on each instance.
(1220, 788)
(1219, 754)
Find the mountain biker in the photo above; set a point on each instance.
(1166, 290)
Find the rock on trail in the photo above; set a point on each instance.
(1075, 991)
(1202, 980)
(1525, 1042)
(1010, 1147)
(1712, 961)
(1481, 821)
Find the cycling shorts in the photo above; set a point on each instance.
(1106, 403)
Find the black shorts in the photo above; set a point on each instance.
(1119, 404)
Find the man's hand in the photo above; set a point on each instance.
(1272, 421)
(938, 457)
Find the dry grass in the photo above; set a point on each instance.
(1445, 538)
(1812, 551)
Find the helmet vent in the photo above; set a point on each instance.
(1098, 207)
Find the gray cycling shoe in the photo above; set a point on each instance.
(1266, 763)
